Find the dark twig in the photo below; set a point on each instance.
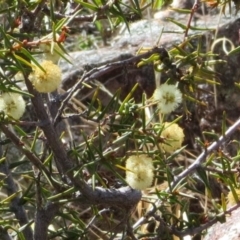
(81, 18)
(100, 14)
(205, 226)
(205, 153)
(193, 166)
(4, 234)
(34, 160)
(98, 72)
(195, 230)
(124, 197)
(39, 7)
(43, 218)
(193, 10)
(66, 99)
(16, 205)
(130, 232)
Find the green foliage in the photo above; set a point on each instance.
(62, 166)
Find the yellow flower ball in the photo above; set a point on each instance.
(48, 81)
(12, 104)
(173, 137)
(139, 174)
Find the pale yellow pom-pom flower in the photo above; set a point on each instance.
(48, 81)
(50, 48)
(12, 104)
(168, 97)
(139, 174)
(173, 137)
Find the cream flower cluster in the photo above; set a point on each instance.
(173, 137)
(168, 98)
(46, 81)
(12, 104)
(50, 48)
(139, 174)
(51, 52)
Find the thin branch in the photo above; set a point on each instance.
(125, 197)
(130, 232)
(192, 167)
(193, 10)
(39, 7)
(81, 18)
(4, 234)
(15, 204)
(199, 229)
(49, 131)
(98, 72)
(43, 218)
(101, 14)
(66, 99)
(33, 159)
(204, 154)
(43, 215)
